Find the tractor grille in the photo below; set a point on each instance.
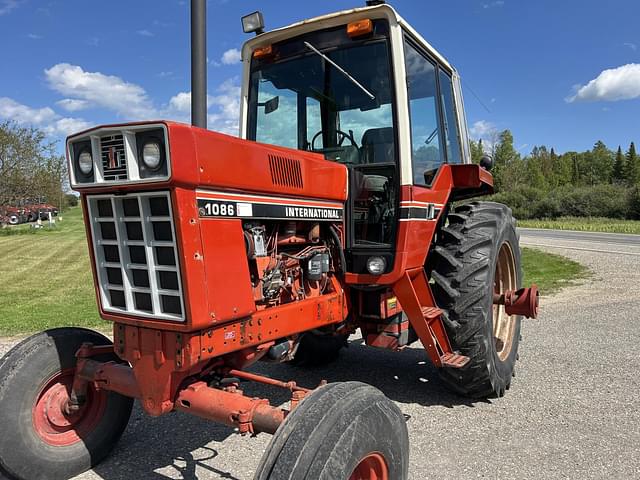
(136, 256)
(285, 171)
(112, 154)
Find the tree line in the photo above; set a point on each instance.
(544, 184)
(30, 169)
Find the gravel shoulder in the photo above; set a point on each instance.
(573, 410)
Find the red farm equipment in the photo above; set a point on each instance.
(339, 208)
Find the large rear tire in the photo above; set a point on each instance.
(342, 431)
(39, 440)
(476, 255)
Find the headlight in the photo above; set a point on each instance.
(151, 155)
(376, 265)
(85, 163)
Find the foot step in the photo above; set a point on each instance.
(454, 360)
(431, 312)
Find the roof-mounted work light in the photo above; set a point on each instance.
(254, 22)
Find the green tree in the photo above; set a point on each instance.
(30, 169)
(562, 168)
(632, 167)
(509, 170)
(477, 151)
(619, 167)
(601, 163)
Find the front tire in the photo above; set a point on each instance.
(39, 440)
(476, 255)
(342, 431)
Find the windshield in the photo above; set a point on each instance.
(328, 93)
(336, 101)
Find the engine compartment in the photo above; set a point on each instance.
(288, 260)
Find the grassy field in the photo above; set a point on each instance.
(45, 277)
(588, 224)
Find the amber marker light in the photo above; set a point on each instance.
(263, 51)
(361, 27)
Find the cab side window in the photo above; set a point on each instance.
(449, 117)
(426, 137)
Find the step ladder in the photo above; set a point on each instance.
(415, 296)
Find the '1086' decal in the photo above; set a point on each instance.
(212, 208)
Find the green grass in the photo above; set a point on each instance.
(45, 277)
(550, 272)
(587, 224)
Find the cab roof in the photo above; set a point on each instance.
(340, 18)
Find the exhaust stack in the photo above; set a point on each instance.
(199, 63)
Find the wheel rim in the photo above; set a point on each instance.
(50, 420)
(505, 279)
(371, 467)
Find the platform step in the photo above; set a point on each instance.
(431, 312)
(454, 360)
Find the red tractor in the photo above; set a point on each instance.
(338, 209)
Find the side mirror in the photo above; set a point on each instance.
(486, 162)
(271, 105)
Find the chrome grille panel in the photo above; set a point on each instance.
(113, 157)
(136, 254)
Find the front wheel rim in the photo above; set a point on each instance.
(505, 279)
(371, 467)
(51, 421)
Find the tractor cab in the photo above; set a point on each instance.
(364, 89)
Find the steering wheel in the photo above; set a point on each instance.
(341, 136)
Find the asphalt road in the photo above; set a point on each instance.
(610, 242)
(573, 410)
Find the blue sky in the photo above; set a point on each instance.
(562, 73)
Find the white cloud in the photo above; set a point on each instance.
(180, 103)
(223, 107)
(632, 46)
(482, 128)
(128, 100)
(73, 104)
(34, 36)
(226, 104)
(231, 57)
(497, 3)
(144, 33)
(485, 131)
(6, 6)
(44, 118)
(622, 83)
(12, 110)
(67, 126)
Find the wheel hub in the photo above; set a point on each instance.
(505, 280)
(52, 420)
(371, 467)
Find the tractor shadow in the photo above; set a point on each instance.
(180, 446)
(407, 377)
(173, 446)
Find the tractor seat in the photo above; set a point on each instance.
(378, 145)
